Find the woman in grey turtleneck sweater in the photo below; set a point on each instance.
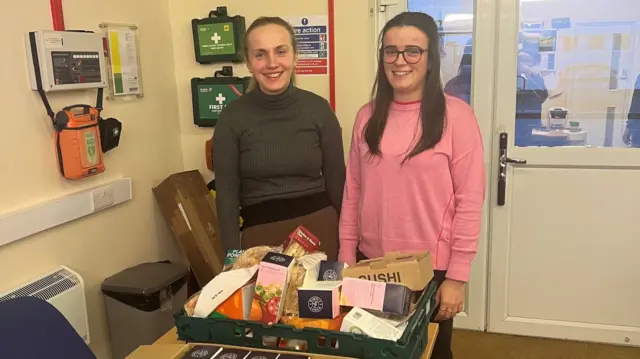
(278, 151)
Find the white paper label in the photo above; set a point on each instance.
(52, 41)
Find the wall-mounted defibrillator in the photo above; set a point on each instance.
(219, 38)
(77, 139)
(73, 60)
(210, 95)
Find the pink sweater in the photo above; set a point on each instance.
(433, 202)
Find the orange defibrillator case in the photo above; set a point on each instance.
(77, 142)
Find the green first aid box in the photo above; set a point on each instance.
(219, 39)
(210, 95)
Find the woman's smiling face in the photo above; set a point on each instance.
(272, 57)
(404, 53)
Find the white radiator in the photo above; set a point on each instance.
(64, 289)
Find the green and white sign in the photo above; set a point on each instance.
(91, 148)
(212, 99)
(216, 39)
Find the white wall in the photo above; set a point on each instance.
(158, 137)
(99, 245)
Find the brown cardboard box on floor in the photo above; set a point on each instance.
(189, 209)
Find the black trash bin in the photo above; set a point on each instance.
(140, 303)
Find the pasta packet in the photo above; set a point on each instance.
(301, 242)
(305, 270)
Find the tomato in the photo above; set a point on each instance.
(273, 306)
(270, 310)
(267, 318)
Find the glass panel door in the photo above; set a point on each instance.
(566, 171)
(456, 19)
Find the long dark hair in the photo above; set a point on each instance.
(264, 21)
(433, 107)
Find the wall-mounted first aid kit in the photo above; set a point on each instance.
(210, 95)
(219, 37)
(73, 60)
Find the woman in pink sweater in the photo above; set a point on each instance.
(415, 172)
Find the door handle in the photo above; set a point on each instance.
(515, 161)
(503, 160)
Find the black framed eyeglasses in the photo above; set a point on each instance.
(411, 55)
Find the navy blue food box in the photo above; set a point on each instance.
(330, 271)
(202, 351)
(316, 304)
(229, 353)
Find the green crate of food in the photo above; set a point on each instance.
(318, 341)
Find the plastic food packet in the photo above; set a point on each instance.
(221, 288)
(252, 256)
(305, 269)
(294, 344)
(301, 242)
(231, 258)
(190, 305)
(218, 290)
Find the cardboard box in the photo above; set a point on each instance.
(274, 274)
(412, 270)
(320, 300)
(389, 298)
(189, 210)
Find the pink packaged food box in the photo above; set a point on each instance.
(274, 274)
(392, 298)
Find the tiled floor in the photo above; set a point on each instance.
(480, 345)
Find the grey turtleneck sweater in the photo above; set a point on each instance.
(272, 147)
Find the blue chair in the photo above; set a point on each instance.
(31, 328)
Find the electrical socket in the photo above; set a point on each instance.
(102, 198)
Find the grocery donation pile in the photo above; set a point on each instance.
(291, 297)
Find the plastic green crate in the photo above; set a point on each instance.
(231, 332)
